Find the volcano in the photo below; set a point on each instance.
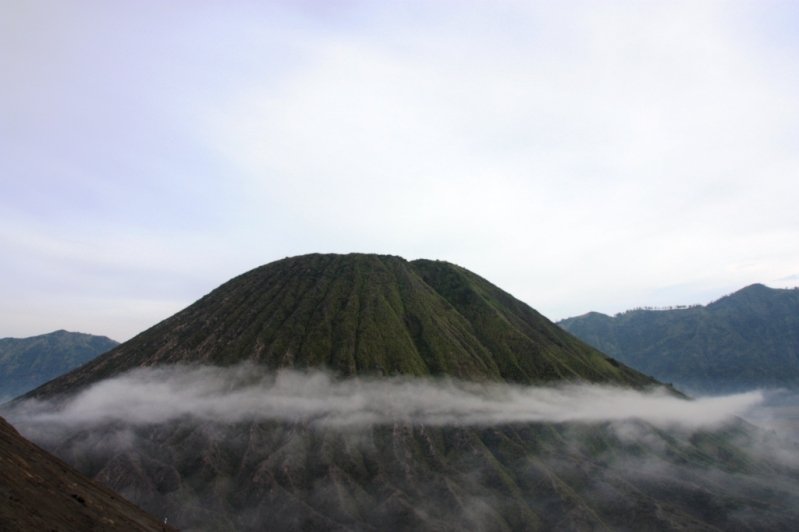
(363, 314)
(391, 323)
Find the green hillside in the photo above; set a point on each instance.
(746, 340)
(360, 315)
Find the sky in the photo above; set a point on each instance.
(580, 155)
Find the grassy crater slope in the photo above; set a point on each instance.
(745, 340)
(364, 314)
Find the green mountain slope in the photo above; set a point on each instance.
(25, 363)
(371, 317)
(745, 340)
(359, 315)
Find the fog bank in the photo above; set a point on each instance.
(250, 393)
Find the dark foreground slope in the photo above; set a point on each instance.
(40, 492)
(746, 340)
(383, 320)
(26, 363)
(363, 315)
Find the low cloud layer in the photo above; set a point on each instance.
(248, 393)
(165, 437)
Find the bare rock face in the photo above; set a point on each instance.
(40, 492)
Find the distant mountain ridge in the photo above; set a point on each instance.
(745, 340)
(26, 363)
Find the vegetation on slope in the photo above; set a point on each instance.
(364, 315)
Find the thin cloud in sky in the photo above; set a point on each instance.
(581, 155)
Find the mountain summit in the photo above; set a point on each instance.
(361, 314)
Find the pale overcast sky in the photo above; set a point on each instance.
(580, 155)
